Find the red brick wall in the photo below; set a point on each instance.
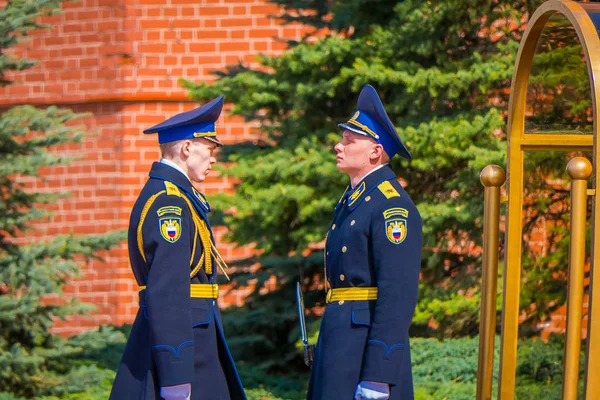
(120, 60)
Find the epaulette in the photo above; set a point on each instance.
(388, 190)
(172, 189)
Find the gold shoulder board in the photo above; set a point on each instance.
(388, 190)
(172, 190)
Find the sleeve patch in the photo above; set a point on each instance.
(168, 210)
(388, 190)
(396, 227)
(170, 228)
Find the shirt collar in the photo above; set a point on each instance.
(172, 164)
(369, 173)
(354, 197)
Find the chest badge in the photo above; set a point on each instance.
(396, 228)
(170, 229)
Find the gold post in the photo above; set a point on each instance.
(492, 177)
(579, 169)
(592, 371)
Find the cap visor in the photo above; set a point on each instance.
(214, 140)
(355, 130)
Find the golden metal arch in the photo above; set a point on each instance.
(518, 142)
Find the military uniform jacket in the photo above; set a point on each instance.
(374, 241)
(175, 338)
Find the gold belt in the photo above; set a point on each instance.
(351, 293)
(200, 290)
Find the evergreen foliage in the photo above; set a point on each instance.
(443, 71)
(34, 362)
(441, 370)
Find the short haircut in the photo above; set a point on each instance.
(170, 149)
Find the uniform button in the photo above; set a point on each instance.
(333, 227)
(344, 249)
(367, 198)
(341, 302)
(342, 277)
(352, 223)
(327, 253)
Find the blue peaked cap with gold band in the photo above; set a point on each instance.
(197, 123)
(371, 120)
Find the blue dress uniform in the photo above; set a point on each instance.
(372, 266)
(177, 336)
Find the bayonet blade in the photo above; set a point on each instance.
(309, 349)
(300, 304)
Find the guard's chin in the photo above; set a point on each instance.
(198, 179)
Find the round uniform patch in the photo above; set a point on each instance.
(170, 228)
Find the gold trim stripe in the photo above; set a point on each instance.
(356, 195)
(204, 291)
(351, 293)
(140, 238)
(204, 134)
(363, 127)
(200, 290)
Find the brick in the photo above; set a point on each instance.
(202, 47)
(240, 10)
(234, 46)
(178, 48)
(170, 12)
(186, 35)
(152, 48)
(238, 34)
(260, 46)
(104, 26)
(211, 11)
(211, 34)
(211, 23)
(234, 22)
(212, 59)
(264, 9)
(185, 23)
(263, 33)
(152, 36)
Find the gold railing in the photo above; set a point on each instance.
(492, 177)
(581, 16)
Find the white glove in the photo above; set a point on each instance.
(178, 392)
(369, 390)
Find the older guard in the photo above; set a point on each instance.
(372, 265)
(176, 349)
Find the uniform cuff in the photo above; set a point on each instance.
(175, 366)
(382, 363)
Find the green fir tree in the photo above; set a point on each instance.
(34, 362)
(443, 70)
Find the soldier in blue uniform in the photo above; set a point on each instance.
(176, 349)
(372, 266)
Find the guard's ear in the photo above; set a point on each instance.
(377, 152)
(185, 148)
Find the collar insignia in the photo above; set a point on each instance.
(200, 197)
